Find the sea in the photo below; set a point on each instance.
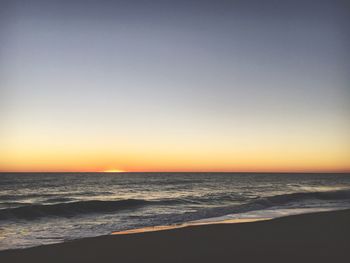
(46, 208)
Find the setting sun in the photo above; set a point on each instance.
(113, 171)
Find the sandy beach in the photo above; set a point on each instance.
(317, 237)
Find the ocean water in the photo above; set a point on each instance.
(45, 208)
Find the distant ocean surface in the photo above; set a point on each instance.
(45, 208)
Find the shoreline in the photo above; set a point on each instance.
(186, 224)
(313, 237)
(246, 217)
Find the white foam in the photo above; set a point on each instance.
(267, 214)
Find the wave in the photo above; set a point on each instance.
(275, 201)
(292, 200)
(297, 197)
(70, 209)
(58, 200)
(54, 195)
(232, 197)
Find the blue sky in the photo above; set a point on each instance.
(176, 78)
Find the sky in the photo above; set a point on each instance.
(174, 85)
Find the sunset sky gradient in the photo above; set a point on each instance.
(174, 86)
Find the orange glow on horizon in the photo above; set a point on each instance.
(176, 156)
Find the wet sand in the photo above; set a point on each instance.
(317, 237)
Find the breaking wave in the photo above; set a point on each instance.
(70, 209)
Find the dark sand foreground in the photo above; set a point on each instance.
(319, 237)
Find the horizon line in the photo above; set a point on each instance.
(129, 172)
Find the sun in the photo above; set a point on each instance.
(113, 171)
